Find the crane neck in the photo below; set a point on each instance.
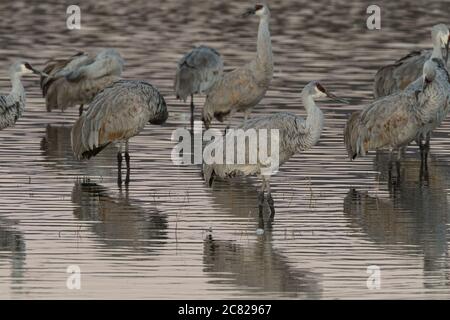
(437, 50)
(264, 57)
(17, 87)
(314, 118)
(313, 123)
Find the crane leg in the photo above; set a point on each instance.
(192, 111)
(127, 161)
(270, 200)
(271, 206)
(261, 204)
(424, 177)
(427, 146)
(247, 114)
(119, 168)
(80, 111)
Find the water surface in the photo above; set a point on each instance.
(170, 236)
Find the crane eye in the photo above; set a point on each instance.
(28, 66)
(258, 7)
(320, 87)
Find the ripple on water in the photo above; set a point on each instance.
(168, 235)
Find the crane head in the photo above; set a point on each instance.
(260, 10)
(23, 68)
(317, 90)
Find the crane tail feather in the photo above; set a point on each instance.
(351, 136)
(85, 149)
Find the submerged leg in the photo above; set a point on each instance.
(270, 200)
(261, 203)
(427, 146)
(127, 161)
(397, 166)
(424, 177)
(192, 111)
(80, 111)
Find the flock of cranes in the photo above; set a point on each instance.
(412, 99)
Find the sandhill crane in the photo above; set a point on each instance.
(116, 114)
(396, 120)
(295, 134)
(244, 87)
(197, 71)
(13, 104)
(397, 76)
(76, 80)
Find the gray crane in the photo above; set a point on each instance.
(197, 71)
(117, 113)
(397, 76)
(76, 80)
(295, 134)
(244, 87)
(13, 104)
(396, 120)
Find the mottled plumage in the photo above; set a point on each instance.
(295, 134)
(13, 104)
(116, 114)
(244, 87)
(396, 120)
(397, 76)
(76, 80)
(197, 71)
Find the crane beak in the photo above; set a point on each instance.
(335, 98)
(249, 12)
(40, 73)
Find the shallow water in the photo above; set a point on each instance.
(168, 235)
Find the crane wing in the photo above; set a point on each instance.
(397, 76)
(56, 68)
(107, 63)
(197, 71)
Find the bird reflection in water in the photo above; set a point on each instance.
(413, 218)
(258, 267)
(57, 150)
(13, 249)
(240, 197)
(124, 222)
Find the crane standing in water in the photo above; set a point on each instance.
(244, 87)
(13, 104)
(116, 114)
(76, 80)
(197, 71)
(396, 120)
(397, 76)
(295, 134)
